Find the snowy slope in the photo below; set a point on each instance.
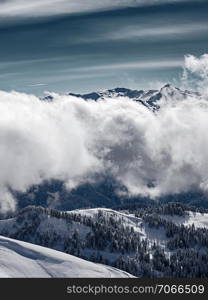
(114, 238)
(199, 220)
(127, 219)
(196, 218)
(20, 259)
(152, 234)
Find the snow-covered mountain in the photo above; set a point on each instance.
(153, 241)
(20, 259)
(149, 98)
(199, 220)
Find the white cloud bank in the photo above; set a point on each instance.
(197, 65)
(25, 8)
(152, 154)
(195, 73)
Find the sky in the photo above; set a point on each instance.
(89, 45)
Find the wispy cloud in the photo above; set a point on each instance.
(158, 31)
(37, 84)
(25, 8)
(147, 32)
(160, 64)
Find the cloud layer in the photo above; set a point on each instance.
(24, 8)
(151, 154)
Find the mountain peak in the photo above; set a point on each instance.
(167, 85)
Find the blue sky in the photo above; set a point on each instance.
(87, 45)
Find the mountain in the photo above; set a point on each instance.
(155, 241)
(149, 98)
(20, 259)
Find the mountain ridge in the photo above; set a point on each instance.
(151, 241)
(148, 98)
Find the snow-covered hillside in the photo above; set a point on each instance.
(149, 241)
(128, 220)
(20, 259)
(198, 219)
(152, 234)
